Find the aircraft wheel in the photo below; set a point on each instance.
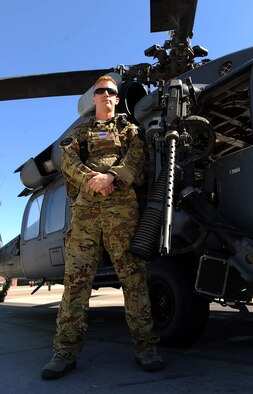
(180, 316)
(3, 292)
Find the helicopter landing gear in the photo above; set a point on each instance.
(180, 316)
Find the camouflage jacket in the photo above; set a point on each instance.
(114, 145)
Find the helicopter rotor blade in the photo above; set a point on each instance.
(175, 15)
(48, 85)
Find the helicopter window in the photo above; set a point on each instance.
(33, 221)
(55, 213)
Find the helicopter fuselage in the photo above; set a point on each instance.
(211, 226)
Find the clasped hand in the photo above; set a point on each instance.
(101, 183)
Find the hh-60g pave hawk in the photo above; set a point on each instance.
(196, 230)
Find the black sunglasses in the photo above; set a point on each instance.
(111, 92)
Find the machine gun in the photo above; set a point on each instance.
(176, 141)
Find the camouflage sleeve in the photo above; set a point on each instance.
(72, 167)
(131, 167)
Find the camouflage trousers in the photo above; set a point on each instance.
(106, 222)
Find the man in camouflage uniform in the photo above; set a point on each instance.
(105, 213)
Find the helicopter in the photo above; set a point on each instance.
(196, 231)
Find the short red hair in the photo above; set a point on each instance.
(106, 78)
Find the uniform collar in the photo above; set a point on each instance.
(96, 122)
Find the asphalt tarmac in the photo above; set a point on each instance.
(221, 362)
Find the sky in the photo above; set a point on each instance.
(39, 37)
